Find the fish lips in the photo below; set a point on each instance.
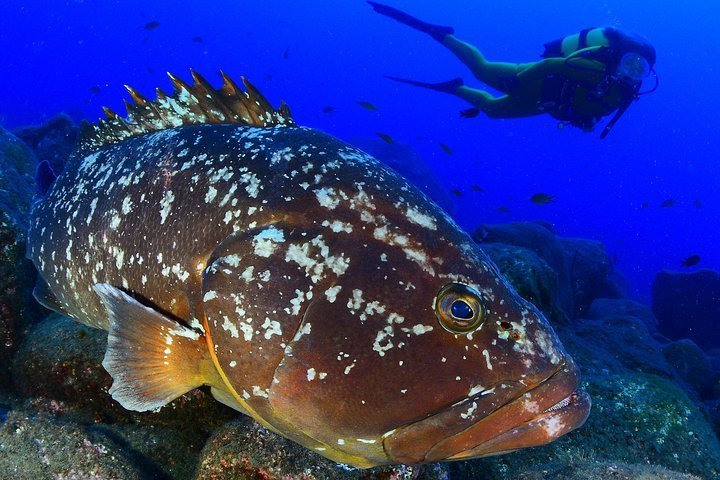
(506, 417)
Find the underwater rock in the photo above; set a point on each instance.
(636, 419)
(244, 450)
(36, 446)
(614, 340)
(589, 271)
(714, 356)
(606, 307)
(17, 179)
(687, 305)
(161, 452)
(584, 468)
(16, 280)
(539, 238)
(17, 168)
(59, 366)
(53, 141)
(61, 360)
(691, 365)
(584, 270)
(407, 161)
(530, 275)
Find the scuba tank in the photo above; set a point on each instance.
(608, 46)
(617, 43)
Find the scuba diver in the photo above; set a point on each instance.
(581, 79)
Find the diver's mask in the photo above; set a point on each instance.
(634, 67)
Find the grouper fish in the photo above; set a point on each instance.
(300, 280)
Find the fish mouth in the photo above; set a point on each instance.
(507, 417)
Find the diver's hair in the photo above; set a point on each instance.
(630, 42)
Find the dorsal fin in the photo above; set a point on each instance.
(188, 105)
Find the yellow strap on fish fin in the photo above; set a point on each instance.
(152, 358)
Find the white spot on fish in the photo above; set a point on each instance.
(265, 241)
(210, 295)
(230, 327)
(475, 390)
(272, 327)
(166, 205)
(419, 218)
(210, 195)
(553, 426)
(297, 301)
(337, 226)
(469, 411)
(260, 392)
(126, 205)
(247, 274)
(486, 354)
(115, 222)
(326, 197)
(331, 293)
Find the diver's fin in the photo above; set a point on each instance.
(44, 178)
(151, 358)
(46, 297)
(437, 32)
(448, 87)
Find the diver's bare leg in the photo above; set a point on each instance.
(506, 106)
(494, 74)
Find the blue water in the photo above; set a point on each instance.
(315, 54)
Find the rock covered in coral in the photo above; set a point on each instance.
(583, 270)
(687, 305)
(692, 365)
(59, 367)
(590, 272)
(16, 281)
(17, 179)
(243, 450)
(530, 275)
(60, 360)
(53, 141)
(17, 168)
(37, 446)
(588, 469)
(539, 239)
(618, 342)
(605, 307)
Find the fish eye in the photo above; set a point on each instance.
(458, 308)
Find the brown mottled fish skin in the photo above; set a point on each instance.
(310, 270)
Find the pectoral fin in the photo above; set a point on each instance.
(152, 358)
(46, 298)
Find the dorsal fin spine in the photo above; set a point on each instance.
(188, 105)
